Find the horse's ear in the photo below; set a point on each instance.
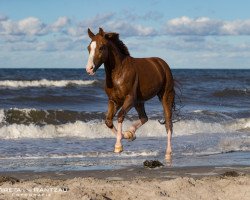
(101, 32)
(91, 35)
(111, 36)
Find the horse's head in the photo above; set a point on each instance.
(98, 51)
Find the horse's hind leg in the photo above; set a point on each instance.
(167, 103)
(130, 134)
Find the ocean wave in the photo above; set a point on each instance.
(228, 145)
(45, 83)
(98, 129)
(232, 92)
(57, 117)
(211, 116)
(45, 117)
(93, 154)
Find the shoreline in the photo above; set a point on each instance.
(129, 173)
(209, 182)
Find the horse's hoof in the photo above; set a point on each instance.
(118, 149)
(129, 135)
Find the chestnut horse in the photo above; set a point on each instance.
(129, 83)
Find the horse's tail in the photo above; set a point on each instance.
(177, 104)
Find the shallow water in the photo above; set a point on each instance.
(88, 154)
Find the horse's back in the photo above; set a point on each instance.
(152, 64)
(153, 67)
(152, 73)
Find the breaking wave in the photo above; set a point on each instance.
(93, 154)
(232, 93)
(45, 83)
(45, 117)
(31, 123)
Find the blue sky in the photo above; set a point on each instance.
(186, 33)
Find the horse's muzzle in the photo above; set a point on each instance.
(90, 70)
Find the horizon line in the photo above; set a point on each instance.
(219, 68)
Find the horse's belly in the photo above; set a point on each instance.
(148, 91)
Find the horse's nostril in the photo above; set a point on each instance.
(89, 68)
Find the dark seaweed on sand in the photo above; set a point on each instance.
(152, 163)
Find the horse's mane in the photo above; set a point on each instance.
(114, 37)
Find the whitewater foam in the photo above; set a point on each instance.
(2, 116)
(44, 83)
(98, 129)
(108, 154)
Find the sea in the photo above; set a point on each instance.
(53, 120)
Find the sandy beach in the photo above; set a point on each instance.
(130, 183)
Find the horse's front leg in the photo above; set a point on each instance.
(127, 105)
(130, 134)
(112, 109)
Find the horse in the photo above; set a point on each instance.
(129, 83)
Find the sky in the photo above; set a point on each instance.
(185, 33)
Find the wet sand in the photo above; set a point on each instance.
(130, 183)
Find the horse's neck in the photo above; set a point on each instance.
(113, 64)
(115, 58)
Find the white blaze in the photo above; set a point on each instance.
(91, 55)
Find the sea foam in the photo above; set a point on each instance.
(44, 83)
(98, 129)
